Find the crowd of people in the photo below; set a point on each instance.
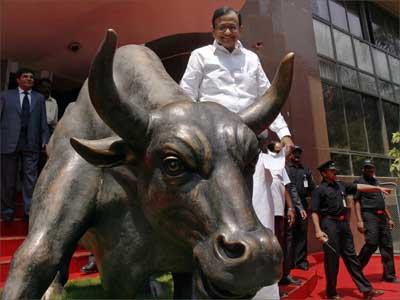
(229, 74)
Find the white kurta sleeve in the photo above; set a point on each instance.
(193, 76)
(263, 82)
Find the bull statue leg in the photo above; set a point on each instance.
(64, 204)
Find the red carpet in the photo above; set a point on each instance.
(345, 286)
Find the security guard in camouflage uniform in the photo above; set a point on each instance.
(330, 218)
(375, 221)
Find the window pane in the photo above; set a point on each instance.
(327, 70)
(394, 64)
(391, 113)
(344, 50)
(335, 117)
(323, 39)
(355, 121)
(368, 83)
(320, 8)
(353, 15)
(338, 14)
(397, 92)
(373, 124)
(342, 163)
(385, 89)
(382, 167)
(381, 36)
(381, 66)
(363, 54)
(348, 77)
(357, 161)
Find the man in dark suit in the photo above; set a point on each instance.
(24, 133)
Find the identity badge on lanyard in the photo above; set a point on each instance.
(305, 181)
(344, 200)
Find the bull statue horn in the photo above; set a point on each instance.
(128, 119)
(263, 112)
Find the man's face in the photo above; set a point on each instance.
(368, 171)
(25, 81)
(329, 175)
(295, 157)
(227, 30)
(44, 88)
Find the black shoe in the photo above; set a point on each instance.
(90, 267)
(289, 280)
(303, 266)
(336, 297)
(372, 293)
(391, 280)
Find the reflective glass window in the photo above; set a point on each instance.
(348, 77)
(338, 14)
(385, 89)
(355, 120)
(335, 120)
(373, 124)
(363, 55)
(381, 66)
(327, 70)
(394, 64)
(397, 92)
(382, 166)
(391, 113)
(323, 39)
(353, 15)
(342, 162)
(344, 49)
(368, 83)
(320, 8)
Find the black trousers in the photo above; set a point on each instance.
(377, 234)
(341, 239)
(300, 233)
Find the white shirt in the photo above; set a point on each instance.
(52, 112)
(234, 80)
(22, 95)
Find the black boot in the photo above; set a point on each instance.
(91, 266)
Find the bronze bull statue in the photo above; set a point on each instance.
(153, 182)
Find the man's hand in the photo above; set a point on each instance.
(287, 141)
(360, 227)
(385, 191)
(303, 214)
(321, 236)
(291, 216)
(391, 224)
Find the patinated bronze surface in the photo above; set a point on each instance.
(153, 182)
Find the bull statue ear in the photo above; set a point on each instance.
(104, 153)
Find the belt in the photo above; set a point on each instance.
(376, 211)
(338, 218)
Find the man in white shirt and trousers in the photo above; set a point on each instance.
(229, 74)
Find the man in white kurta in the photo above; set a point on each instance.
(229, 74)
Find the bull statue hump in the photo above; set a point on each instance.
(151, 182)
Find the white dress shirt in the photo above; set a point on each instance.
(234, 80)
(22, 95)
(52, 112)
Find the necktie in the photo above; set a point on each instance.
(25, 112)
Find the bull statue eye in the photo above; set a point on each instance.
(173, 166)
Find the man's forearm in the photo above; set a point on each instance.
(366, 188)
(358, 210)
(315, 218)
(388, 214)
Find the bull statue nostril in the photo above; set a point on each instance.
(231, 250)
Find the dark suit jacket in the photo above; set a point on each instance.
(10, 121)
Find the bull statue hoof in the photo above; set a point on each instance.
(145, 176)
